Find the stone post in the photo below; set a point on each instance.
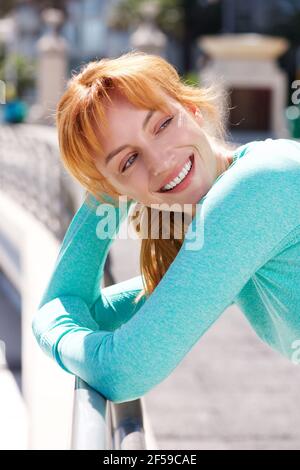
(51, 69)
(148, 37)
(249, 61)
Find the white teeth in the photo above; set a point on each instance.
(185, 170)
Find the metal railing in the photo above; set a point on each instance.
(99, 424)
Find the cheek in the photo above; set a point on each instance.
(185, 129)
(135, 184)
(111, 178)
(139, 181)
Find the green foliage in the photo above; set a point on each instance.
(191, 78)
(25, 72)
(176, 17)
(126, 15)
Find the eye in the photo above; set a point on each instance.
(165, 123)
(126, 167)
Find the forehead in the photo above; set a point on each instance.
(119, 105)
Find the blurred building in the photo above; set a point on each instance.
(257, 16)
(85, 28)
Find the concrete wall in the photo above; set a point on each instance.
(47, 389)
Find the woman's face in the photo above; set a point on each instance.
(155, 157)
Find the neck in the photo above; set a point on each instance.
(224, 160)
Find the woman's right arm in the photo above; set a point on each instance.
(115, 304)
(76, 279)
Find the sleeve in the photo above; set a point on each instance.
(115, 304)
(80, 262)
(237, 228)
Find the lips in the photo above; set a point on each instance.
(175, 173)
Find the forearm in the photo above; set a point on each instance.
(73, 339)
(77, 276)
(80, 263)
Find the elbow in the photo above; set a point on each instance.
(35, 328)
(114, 385)
(122, 397)
(39, 330)
(295, 355)
(44, 325)
(121, 393)
(116, 398)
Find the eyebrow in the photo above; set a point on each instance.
(122, 147)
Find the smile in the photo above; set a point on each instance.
(182, 179)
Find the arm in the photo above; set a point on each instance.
(78, 274)
(80, 263)
(241, 222)
(115, 305)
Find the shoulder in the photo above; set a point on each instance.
(265, 176)
(270, 155)
(261, 164)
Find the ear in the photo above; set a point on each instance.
(193, 108)
(196, 111)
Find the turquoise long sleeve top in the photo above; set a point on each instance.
(247, 253)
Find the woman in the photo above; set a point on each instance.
(129, 127)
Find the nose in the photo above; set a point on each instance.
(159, 161)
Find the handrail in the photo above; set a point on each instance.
(89, 418)
(100, 424)
(127, 425)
